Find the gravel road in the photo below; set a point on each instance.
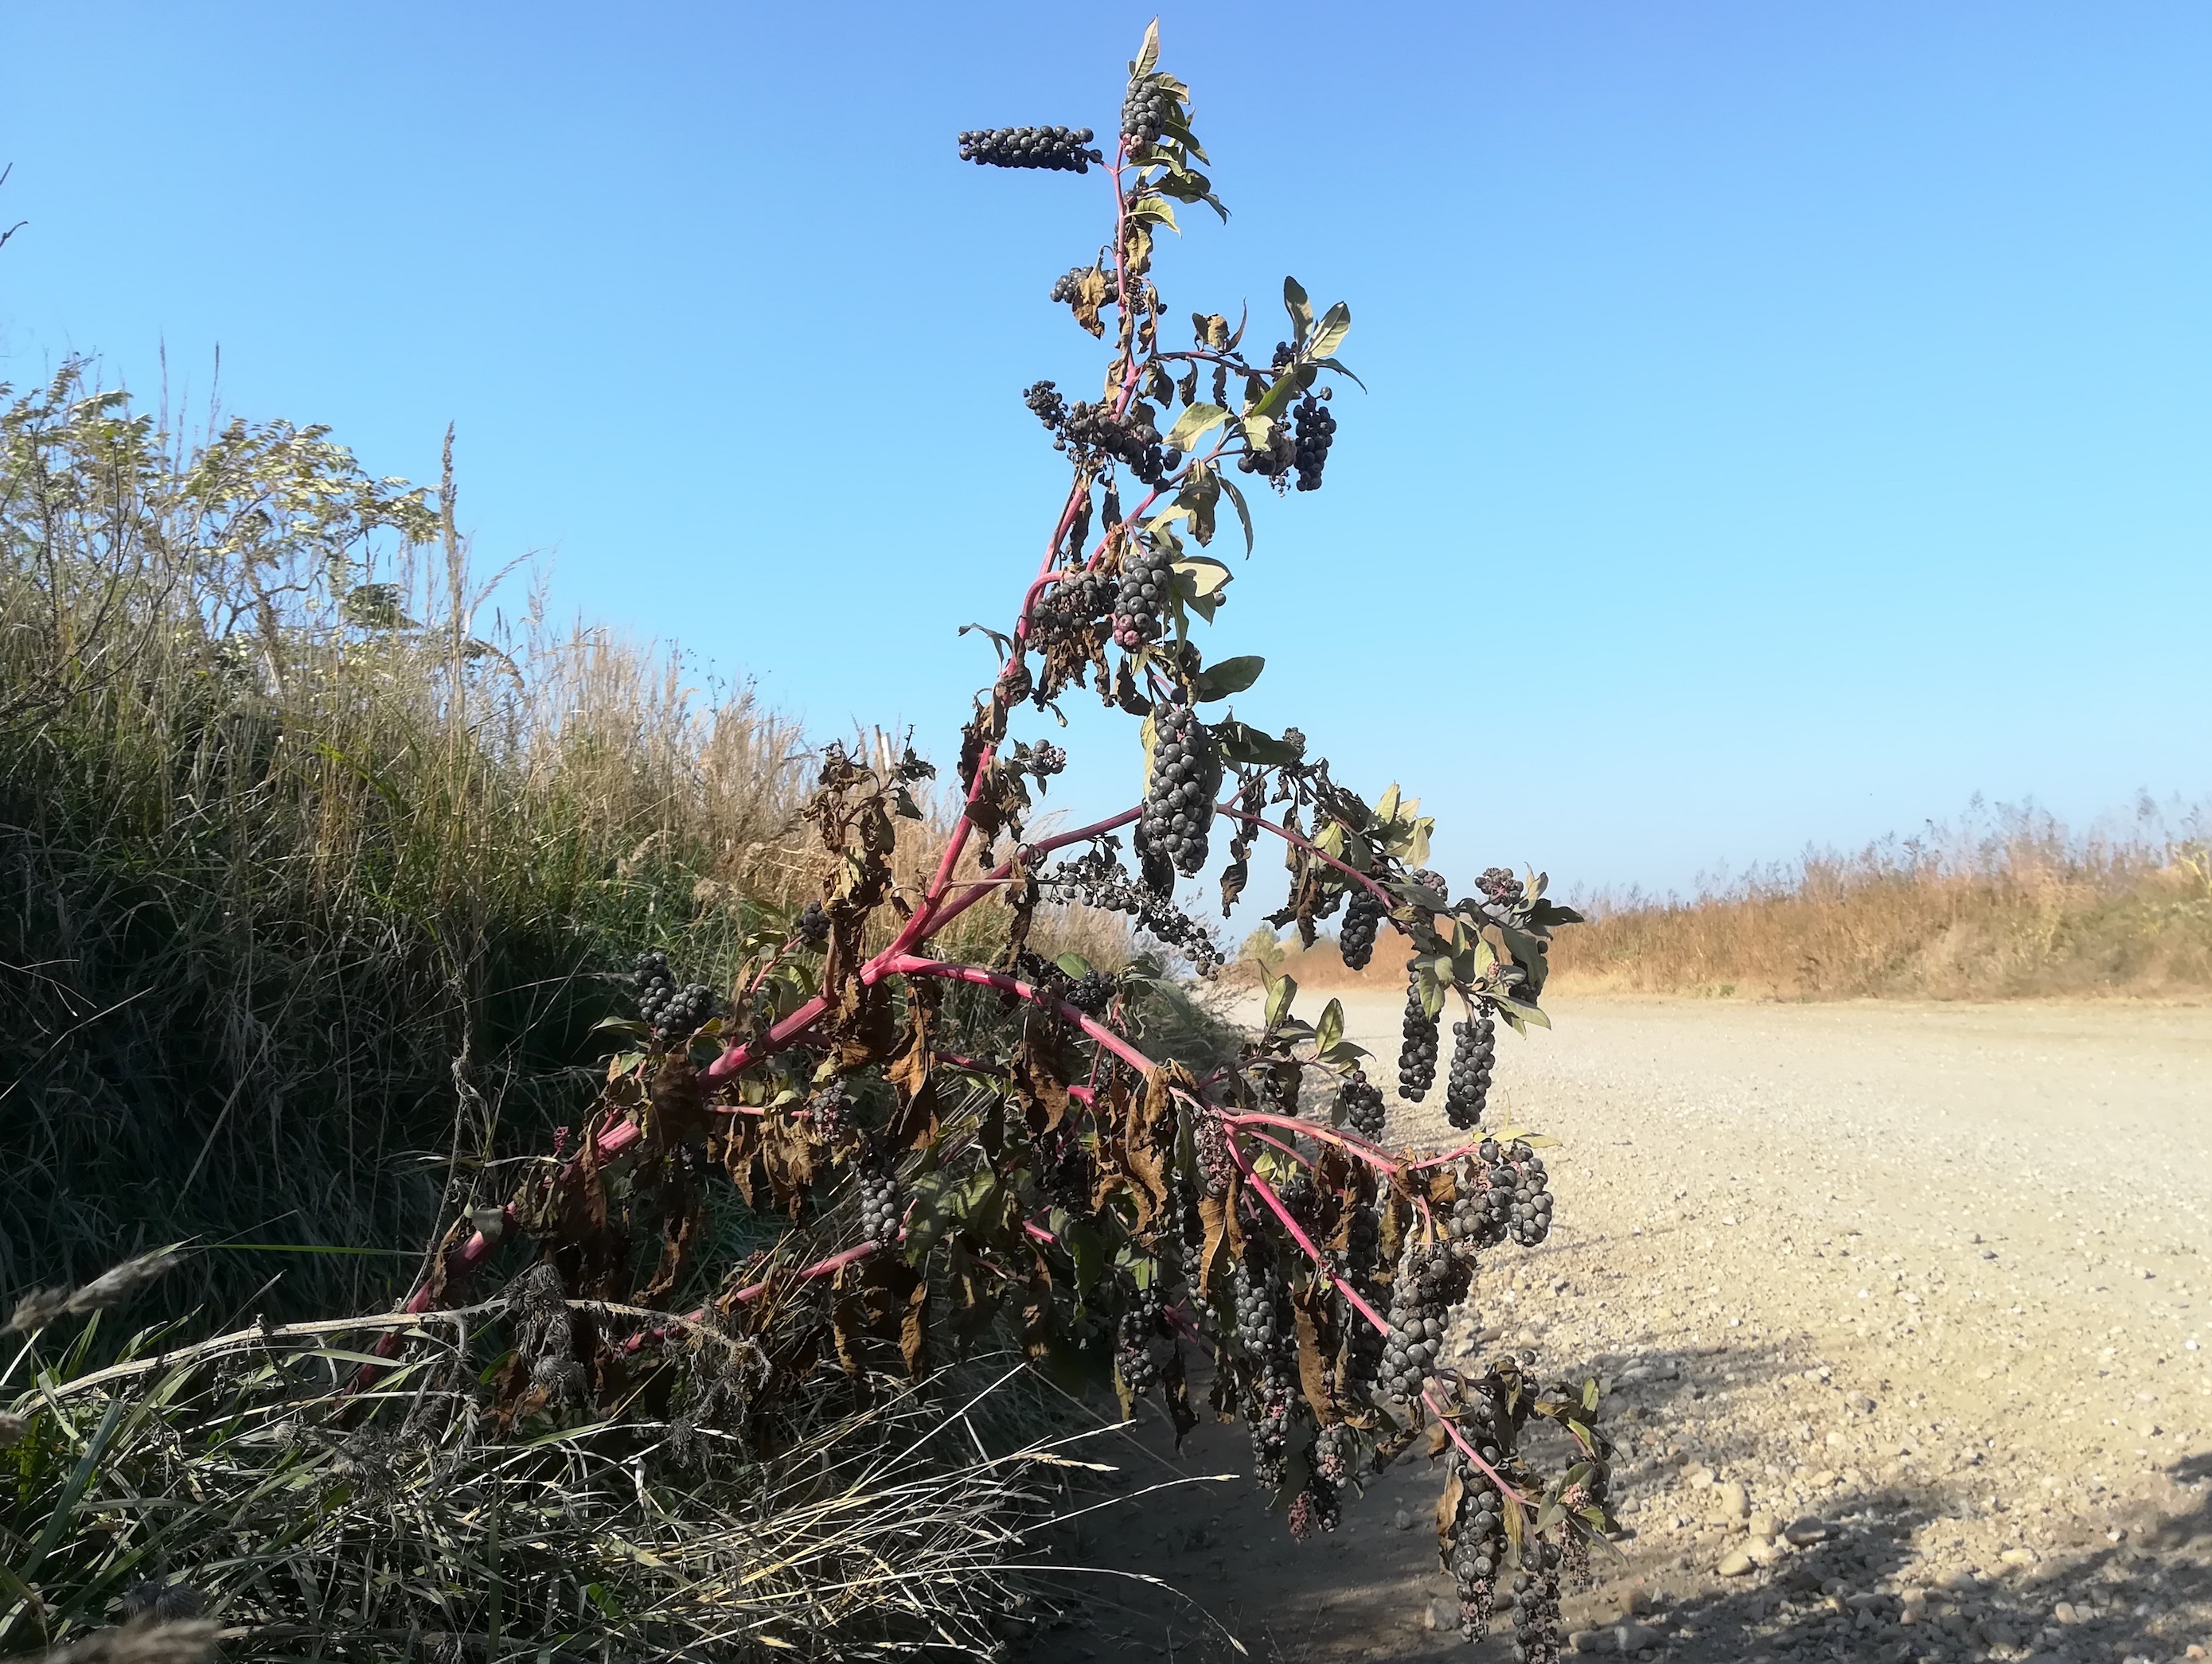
(1928, 1283)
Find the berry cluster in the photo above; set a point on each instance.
(1146, 109)
(1356, 939)
(1071, 606)
(812, 926)
(1143, 1321)
(1059, 147)
(832, 1113)
(1093, 992)
(1416, 1048)
(1095, 879)
(1140, 603)
(1276, 460)
(1263, 1331)
(1315, 1508)
(1478, 1547)
(1065, 1170)
(1049, 407)
(1430, 1282)
(1359, 1108)
(1068, 289)
(670, 1012)
(1499, 884)
(883, 1204)
(1317, 426)
(1518, 1201)
(1179, 798)
(1466, 1090)
(1536, 1608)
(1130, 440)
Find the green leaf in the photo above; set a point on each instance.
(1341, 369)
(1148, 55)
(1335, 325)
(1288, 387)
(1074, 964)
(1200, 575)
(1244, 515)
(1280, 992)
(1153, 206)
(1590, 1393)
(1242, 743)
(1300, 308)
(1230, 676)
(1330, 1029)
(1194, 424)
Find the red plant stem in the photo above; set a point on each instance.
(1447, 1158)
(908, 964)
(1310, 846)
(1352, 1146)
(980, 888)
(1040, 1233)
(1175, 1316)
(1266, 1193)
(1451, 1427)
(1277, 1143)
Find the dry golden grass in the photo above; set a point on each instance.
(2010, 906)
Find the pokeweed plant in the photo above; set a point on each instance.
(997, 1144)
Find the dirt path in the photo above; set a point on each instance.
(1932, 1276)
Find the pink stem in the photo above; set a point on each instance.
(1310, 846)
(1266, 1193)
(1277, 1143)
(908, 964)
(1451, 1427)
(983, 887)
(1359, 1147)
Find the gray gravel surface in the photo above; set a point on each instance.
(1928, 1283)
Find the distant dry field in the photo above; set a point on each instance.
(1933, 1276)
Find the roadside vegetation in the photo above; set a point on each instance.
(2006, 904)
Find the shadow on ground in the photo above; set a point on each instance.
(1205, 1572)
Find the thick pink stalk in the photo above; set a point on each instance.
(1273, 1143)
(1351, 1145)
(908, 964)
(980, 888)
(1308, 846)
(1266, 1193)
(1451, 1428)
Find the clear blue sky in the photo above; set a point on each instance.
(1785, 420)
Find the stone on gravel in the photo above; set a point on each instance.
(1731, 1501)
(1735, 1564)
(1635, 1637)
(1765, 1525)
(1806, 1529)
(2018, 1556)
(1441, 1615)
(1403, 1519)
(1591, 1641)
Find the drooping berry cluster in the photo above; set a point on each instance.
(1359, 1108)
(1417, 1047)
(1363, 914)
(1064, 149)
(1066, 1172)
(831, 1111)
(1477, 1546)
(1317, 426)
(812, 925)
(1141, 604)
(1095, 879)
(1179, 797)
(1049, 407)
(1263, 1332)
(1536, 1608)
(1142, 1323)
(1520, 1190)
(1146, 108)
(882, 1203)
(670, 1012)
(1430, 1282)
(1466, 1090)
(1315, 1508)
